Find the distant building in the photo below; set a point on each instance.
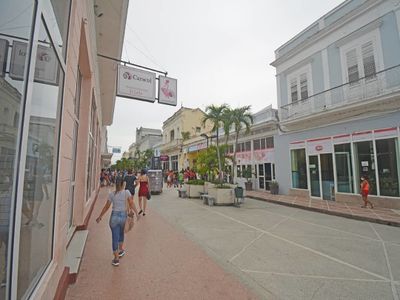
(339, 100)
(184, 124)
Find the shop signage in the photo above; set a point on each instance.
(362, 136)
(164, 157)
(321, 145)
(297, 145)
(116, 150)
(264, 156)
(197, 147)
(3, 56)
(243, 157)
(167, 90)
(342, 139)
(386, 132)
(46, 68)
(136, 84)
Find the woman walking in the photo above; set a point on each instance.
(144, 191)
(365, 187)
(122, 204)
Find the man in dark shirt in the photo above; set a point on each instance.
(130, 182)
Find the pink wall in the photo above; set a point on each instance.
(78, 52)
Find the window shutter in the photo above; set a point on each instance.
(303, 86)
(293, 90)
(367, 51)
(352, 66)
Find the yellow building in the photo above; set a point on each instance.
(179, 131)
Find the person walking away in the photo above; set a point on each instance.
(130, 183)
(120, 200)
(365, 188)
(144, 190)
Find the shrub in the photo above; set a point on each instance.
(196, 182)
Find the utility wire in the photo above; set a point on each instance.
(149, 56)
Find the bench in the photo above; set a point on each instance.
(206, 197)
(182, 193)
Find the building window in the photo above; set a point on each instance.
(256, 144)
(198, 129)
(367, 51)
(344, 169)
(172, 135)
(247, 146)
(299, 168)
(39, 186)
(365, 163)
(293, 90)
(387, 152)
(361, 62)
(174, 162)
(352, 66)
(270, 142)
(91, 155)
(303, 86)
(263, 145)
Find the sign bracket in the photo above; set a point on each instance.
(131, 64)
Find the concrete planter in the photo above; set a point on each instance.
(222, 196)
(207, 186)
(195, 190)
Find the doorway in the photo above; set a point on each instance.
(321, 176)
(266, 173)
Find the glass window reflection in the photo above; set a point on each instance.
(36, 234)
(15, 26)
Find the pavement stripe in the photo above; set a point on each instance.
(298, 245)
(314, 276)
(247, 246)
(394, 290)
(322, 226)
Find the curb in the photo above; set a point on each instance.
(328, 212)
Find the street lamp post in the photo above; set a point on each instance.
(206, 137)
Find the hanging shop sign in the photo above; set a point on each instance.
(116, 150)
(136, 84)
(164, 157)
(167, 90)
(46, 67)
(3, 56)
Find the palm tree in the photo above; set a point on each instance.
(214, 114)
(227, 122)
(240, 116)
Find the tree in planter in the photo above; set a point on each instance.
(207, 162)
(214, 113)
(248, 175)
(240, 117)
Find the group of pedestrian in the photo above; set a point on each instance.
(176, 179)
(123, 205)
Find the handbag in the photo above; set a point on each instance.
(129, 222)
(148, 196)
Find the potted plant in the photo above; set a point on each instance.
(274, 187)
(223, 194)
(248, 175)
(195, 187)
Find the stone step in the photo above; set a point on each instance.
(75, 253)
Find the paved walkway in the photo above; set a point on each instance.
(161, 263)
(376, 215)
(288, 253)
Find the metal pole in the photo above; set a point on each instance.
(129, 63)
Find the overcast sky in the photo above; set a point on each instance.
(219, 50)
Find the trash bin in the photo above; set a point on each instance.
(239, 196)
(238, 192)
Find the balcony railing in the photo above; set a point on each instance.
(380, 84)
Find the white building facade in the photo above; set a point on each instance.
(338, 85)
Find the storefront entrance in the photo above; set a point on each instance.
(266, 173)
(321, 176)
